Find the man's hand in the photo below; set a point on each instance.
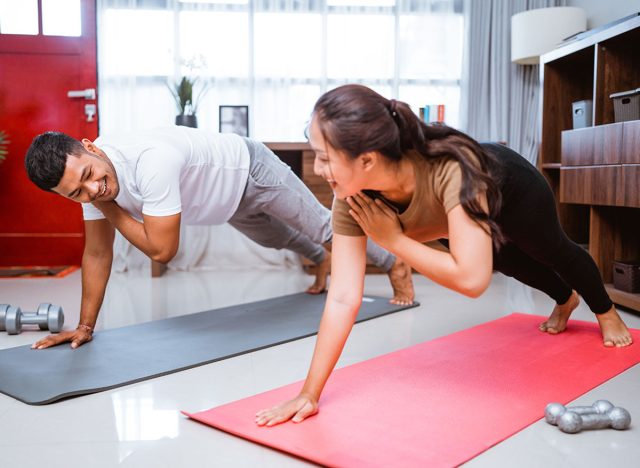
(76, 337)
(379, 222)
(297, 410)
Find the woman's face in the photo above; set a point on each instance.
(341, 172)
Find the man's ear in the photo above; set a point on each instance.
(89, 146)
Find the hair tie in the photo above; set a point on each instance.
(392, 107)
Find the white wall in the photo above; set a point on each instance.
(600, 12)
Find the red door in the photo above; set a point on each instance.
(37, 72)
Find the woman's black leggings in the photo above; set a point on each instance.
(538, 252)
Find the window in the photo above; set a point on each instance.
(276, 57)
(59, 17)
(19, 17)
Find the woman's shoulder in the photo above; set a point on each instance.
(439, 169)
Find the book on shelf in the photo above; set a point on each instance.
(432, 113)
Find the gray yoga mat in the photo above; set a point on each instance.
(138, 352)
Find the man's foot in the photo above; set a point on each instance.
(557, 321)
(614, 331)
(402, 283)
(322, 271)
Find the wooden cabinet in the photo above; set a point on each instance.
(595, 171)
(592, 146)
(300, 157)
(593, 185)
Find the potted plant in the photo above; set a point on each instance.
(183, 90)
(3, 145)
(187, 107)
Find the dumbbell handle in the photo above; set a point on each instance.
(581, 410)
(29, 318)
(595, 421)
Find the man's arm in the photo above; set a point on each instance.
(96, 268)
(157, 236)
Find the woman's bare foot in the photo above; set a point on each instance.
(322, 271)
(557, 321)
(614, 331)
(402, 283)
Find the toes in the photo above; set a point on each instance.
(624, 341)
(400, 302)
(608, 343)
(315, 290)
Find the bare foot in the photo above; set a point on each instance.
(614, 331)
(557, 321)
(322, 270)
(402, 283)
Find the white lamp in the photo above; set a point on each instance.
(535, 32)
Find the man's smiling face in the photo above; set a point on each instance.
(88, 177)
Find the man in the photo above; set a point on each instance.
(146, 184)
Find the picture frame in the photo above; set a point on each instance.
(234, 119)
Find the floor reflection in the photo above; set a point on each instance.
(139, 418)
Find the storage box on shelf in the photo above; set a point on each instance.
(626, 276)
(595, 171)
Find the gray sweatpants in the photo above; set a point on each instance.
(277, 210)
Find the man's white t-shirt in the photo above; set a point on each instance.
(166, 171)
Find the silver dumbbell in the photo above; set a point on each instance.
(553, 411)
(617, 418)
(48, 317)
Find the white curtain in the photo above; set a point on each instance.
(277, 57)
(500, 100)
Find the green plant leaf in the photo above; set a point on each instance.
(182, 92)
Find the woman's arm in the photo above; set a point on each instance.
(468, 265)
(466, 268)
(348, 261)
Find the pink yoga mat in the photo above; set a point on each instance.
(439, 403)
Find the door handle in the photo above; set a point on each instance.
(89, 93)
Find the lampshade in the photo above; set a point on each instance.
(535, 32)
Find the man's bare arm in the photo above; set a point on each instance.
(157, 236)
(96, 268)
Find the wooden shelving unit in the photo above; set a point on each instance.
(594, 172)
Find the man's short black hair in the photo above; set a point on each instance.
(47, 157)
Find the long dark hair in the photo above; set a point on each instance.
(355, 119)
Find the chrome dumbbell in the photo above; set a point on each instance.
(617, 418)
(553, 411)
(48, 317)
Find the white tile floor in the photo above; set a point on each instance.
(140, 425)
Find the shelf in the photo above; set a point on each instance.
(551, 165)
(625, 299)
(288, 146)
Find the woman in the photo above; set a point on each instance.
(402, 183)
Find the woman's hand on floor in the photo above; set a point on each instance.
(297, 410)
